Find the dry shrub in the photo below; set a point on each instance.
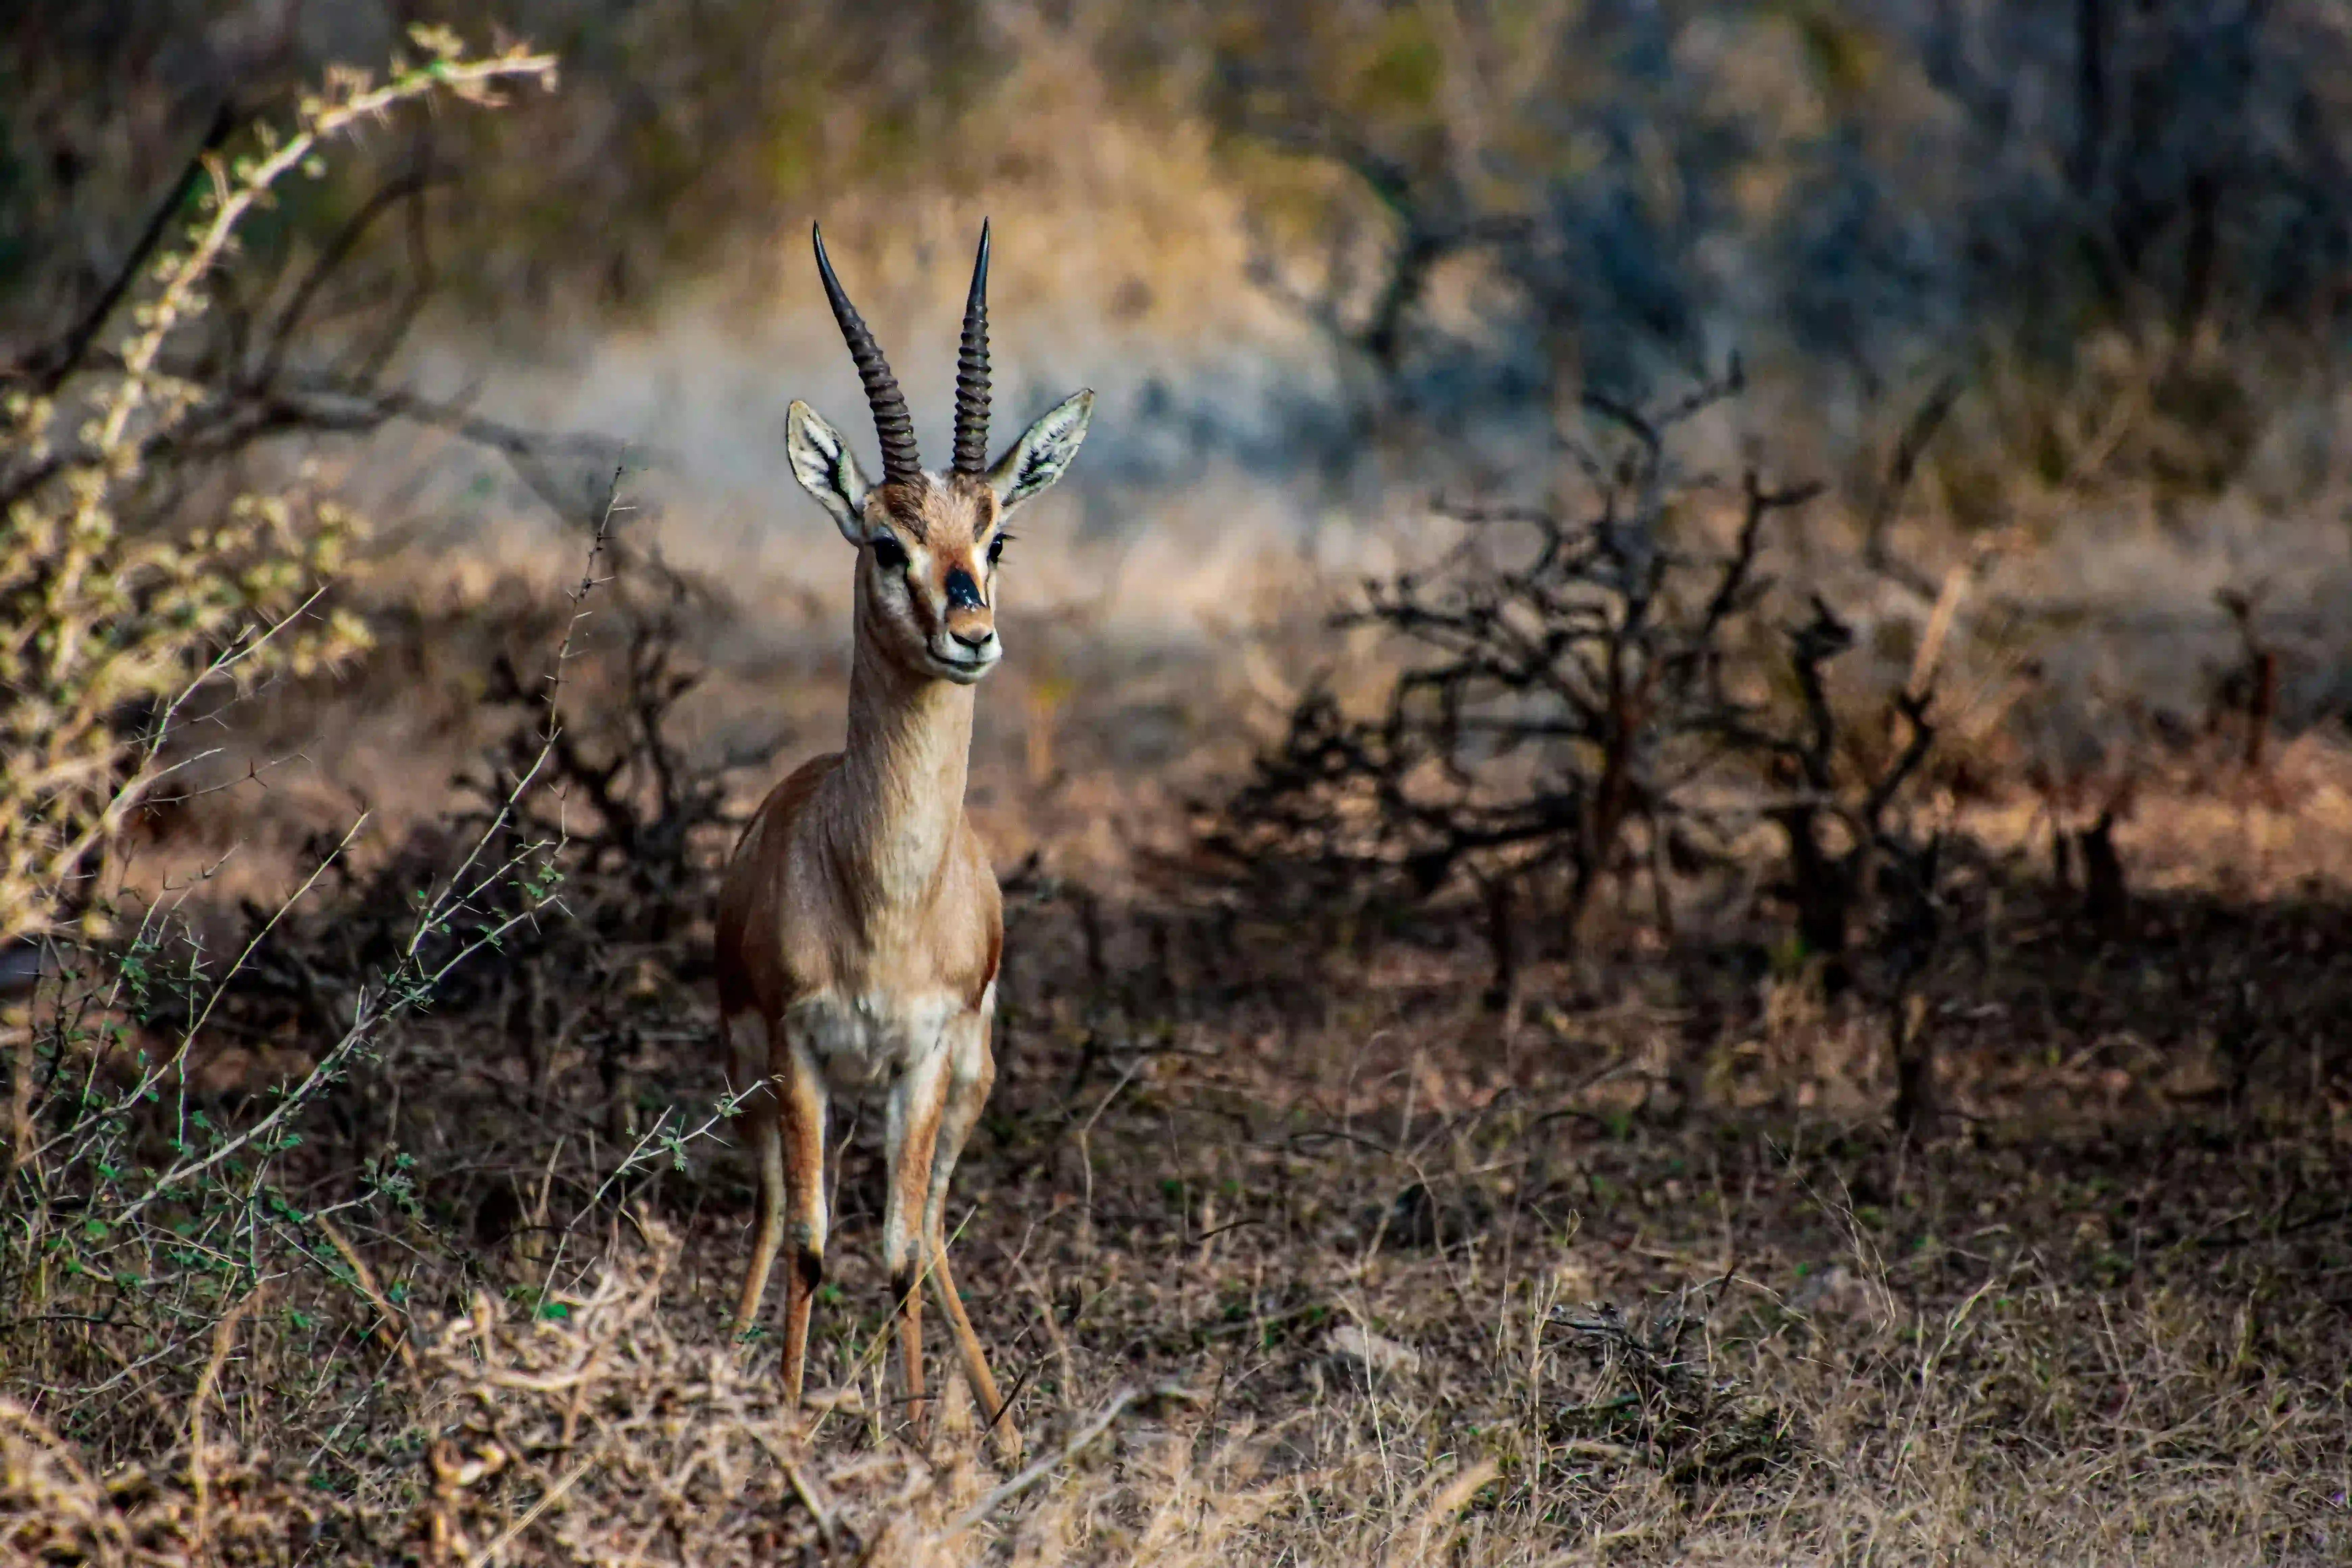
(1591, 698)
(120, 616)
(233, 1510)
(1572, 679)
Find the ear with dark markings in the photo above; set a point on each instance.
(827, 469)
(1044, 451)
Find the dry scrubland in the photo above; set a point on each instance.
(1639, 1189)
(1297, 1248)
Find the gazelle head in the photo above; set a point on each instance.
(928, 544)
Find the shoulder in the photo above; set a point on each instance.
(793, 790)
(758, 849)
(777, 810)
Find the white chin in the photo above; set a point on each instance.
(964, 672)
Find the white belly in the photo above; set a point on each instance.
(861, 1043)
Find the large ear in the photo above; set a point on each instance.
(1045, 449)
(827, 469)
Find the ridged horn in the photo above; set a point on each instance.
(972, 370)
(892, 423)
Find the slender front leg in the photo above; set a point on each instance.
(971, 1073)
(911, 1134)
(802, 1107)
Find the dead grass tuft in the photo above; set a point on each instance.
(229, 1509)
(584, 1429)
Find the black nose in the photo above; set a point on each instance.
(964, 594)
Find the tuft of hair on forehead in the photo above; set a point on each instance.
(940, 504)
(906, 502)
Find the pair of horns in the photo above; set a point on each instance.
(892, 423)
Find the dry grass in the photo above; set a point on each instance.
(1369, 1343)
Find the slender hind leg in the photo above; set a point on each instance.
(744, 1040)
(803, 1105)
(784, 1118)
(971, 1073)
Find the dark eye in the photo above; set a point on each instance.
(996, 548)
(889, 553)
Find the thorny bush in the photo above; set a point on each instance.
(144, 1219)
(1589, 696)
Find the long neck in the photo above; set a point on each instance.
(902, 777)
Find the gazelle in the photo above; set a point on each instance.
(859, 922)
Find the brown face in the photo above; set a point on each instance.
(927, 575)
(928, 544)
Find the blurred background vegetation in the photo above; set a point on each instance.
(1478, 208)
